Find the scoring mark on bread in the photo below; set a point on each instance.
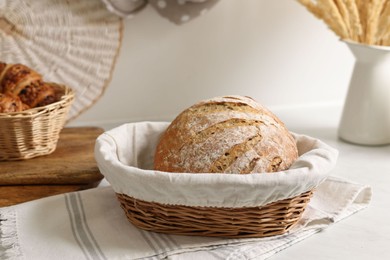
(251, 166)
(275, 164)
(238, 150)
(222, 106)
(202, 135)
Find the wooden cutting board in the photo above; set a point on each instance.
(70, 167)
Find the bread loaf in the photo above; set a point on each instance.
(232, 134)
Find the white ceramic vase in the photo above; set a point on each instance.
(366, 115)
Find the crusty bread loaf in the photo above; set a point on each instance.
(232, 134)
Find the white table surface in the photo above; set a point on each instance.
(365, 235)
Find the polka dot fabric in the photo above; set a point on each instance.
(182, 11)
(176, 11)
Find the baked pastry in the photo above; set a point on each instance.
(3, 69)
(38, 94)
(10, 103)
(20, 80)
(16, 77)
(232, 134)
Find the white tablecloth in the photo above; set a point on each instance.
(91, 225)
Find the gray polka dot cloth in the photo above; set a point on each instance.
(176, 11)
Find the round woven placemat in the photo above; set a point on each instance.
(70, 42)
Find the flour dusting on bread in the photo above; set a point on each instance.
(232, 134)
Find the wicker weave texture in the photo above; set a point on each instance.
(249, 222)
(34, 132)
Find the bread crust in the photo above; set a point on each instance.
(231, 134)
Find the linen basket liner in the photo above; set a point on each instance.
(125, 157)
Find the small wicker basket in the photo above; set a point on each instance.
(34, 132)
(214, 205)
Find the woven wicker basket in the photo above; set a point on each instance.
(34, 132)
(273, 219)
(217, 205)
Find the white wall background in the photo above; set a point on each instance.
(274, 51)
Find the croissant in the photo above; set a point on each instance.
(20, 80)
(3, 69)
(10, 103)
(38, 94)
(16, 77)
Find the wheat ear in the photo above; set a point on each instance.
(333, 17)
(312, 8)
(362, 6)
(374, 10)
(345, 15)
(384, 23)
(355, 21)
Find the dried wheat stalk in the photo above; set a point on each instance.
(364, 21)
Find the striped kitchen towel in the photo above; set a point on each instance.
(90, 225)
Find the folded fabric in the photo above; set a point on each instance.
(90, 225)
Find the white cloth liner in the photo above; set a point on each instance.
(125, 157)
(91, 225)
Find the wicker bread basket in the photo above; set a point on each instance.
(223, 205)
(34, 132)
(269, 220)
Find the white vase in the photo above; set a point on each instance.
(366, 115)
